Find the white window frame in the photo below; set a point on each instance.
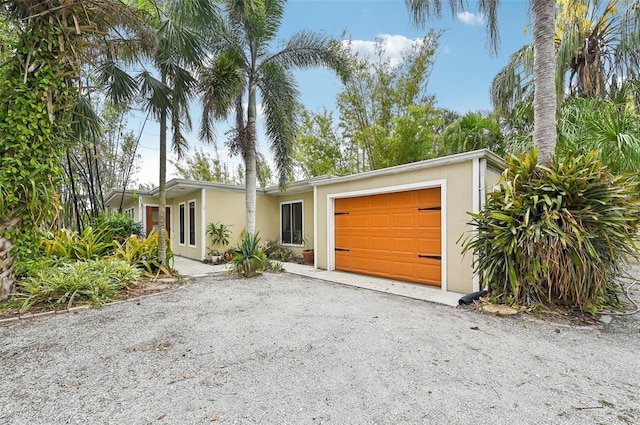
(182, 224)
(295, 201)
(195, 233)
(130, 212)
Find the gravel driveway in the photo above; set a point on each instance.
(284, 349)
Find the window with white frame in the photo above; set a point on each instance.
(181, 223)
(192, 223)
(129, 212)
(291, 218)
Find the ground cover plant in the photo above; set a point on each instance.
(556, 234)
(62, 286)
(64, 268)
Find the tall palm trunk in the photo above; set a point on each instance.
(7, 276)
(544, 67)
(249, 151)
(162, 191)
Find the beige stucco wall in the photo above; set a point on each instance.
(458, 184)
(186, 250)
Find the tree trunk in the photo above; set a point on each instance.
(162, 188)
(249, 153)
(544, 69)
(7, 275)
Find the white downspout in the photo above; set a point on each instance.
(203, 225)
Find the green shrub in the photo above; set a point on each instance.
(556, 234)
(94, 281)
(274, 251)
(119, 226)
(220, 235)
(249, 259)
(142, 253)
(91, 244)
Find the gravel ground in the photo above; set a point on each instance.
(284, 349)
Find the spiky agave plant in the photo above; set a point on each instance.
(249, 258)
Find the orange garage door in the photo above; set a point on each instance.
(393, 235)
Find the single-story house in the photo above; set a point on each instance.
(401, 223)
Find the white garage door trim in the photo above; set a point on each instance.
(442, 184)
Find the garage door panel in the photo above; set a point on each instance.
(384, 234)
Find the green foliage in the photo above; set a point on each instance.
(611, 125)
(274, 251)
(249, 259)
(473, 131)
(386, 115)
(33, 133)
(220, 235)
(119, 226)
(68, 246)
(91, 244)
(556, 234)
(274, 266)
(319, 148)
(141, 253)
(202, 166)
(95, 281)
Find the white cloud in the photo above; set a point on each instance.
(393, 46)
(471, 19)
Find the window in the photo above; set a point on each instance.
(192, 223)
(291, 232)
(182, 223)
(129, 212)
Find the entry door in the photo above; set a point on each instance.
(393, 235)
(153, 220)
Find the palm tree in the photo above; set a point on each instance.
(596, 46)
(245, 66)
(179, 29)
(38, 99)
(544, 135)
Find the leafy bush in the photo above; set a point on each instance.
(274, 251)
(556, 234)
(94, 281)
(220, 235)
(142, 253)
(119, 226)
(91, 244)
(248, 258)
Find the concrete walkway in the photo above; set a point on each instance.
(194, 268)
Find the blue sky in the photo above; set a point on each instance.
(461, 77)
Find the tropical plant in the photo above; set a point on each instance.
(556, 234)
(275, 251)
(95, 281)
(243, 65)
(39, 100)
(179, 28)
(202, 166)
(142, 253)
(220, 234)
(544, 63)
(386, 114)
(611, 125)
(596, 46)
(249, 259)
(474, 130)
(119, 226)
(91, 244)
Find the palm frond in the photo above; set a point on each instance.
(280, 100)
(221, 82)
(86, 124)
(156, 94)
(121, 87)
